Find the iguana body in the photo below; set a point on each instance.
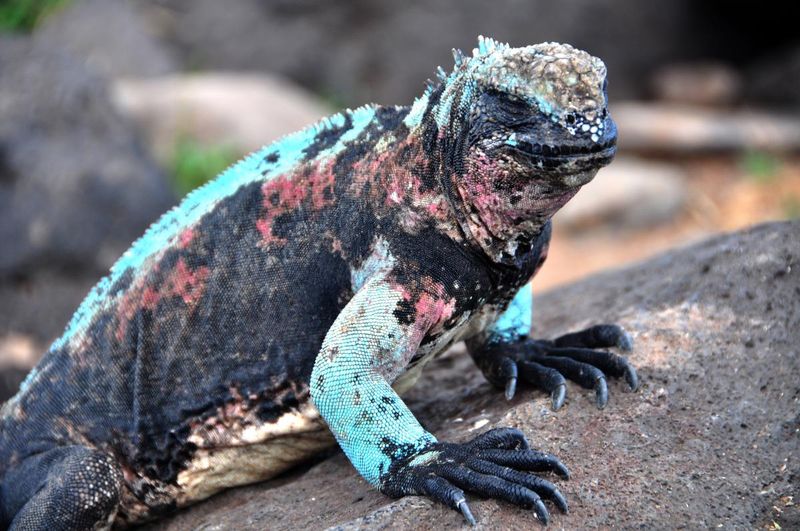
(290, 295)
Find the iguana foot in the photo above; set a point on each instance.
(495, 464)
(66, 488)
(548, 364)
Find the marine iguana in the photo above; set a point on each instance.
(296, 295)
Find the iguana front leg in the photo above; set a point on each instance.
(367, 348)
(506, 354)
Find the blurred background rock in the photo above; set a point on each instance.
(111, 110)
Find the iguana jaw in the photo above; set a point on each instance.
(565, 161)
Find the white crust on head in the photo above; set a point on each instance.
(561, 79)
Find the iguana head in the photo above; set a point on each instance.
(535, 128)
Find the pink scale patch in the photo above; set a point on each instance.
(281, 195)
(437, 309)
(393, 176)
(288, 192)
(432, 307)
(187, 283)
(186, 237)
(182, 282)
(321, 182)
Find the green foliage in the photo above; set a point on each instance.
(333, 100)
(24, 15)
(760, 166)
(194, 164)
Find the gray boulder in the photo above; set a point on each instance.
(383, 50)
(710, 439)
(215, 108)
(111, 38)
(76, 187)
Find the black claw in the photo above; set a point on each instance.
(560, 502)
(601, 391)
(508, 374)
(546, 378)
(580, 372)
(464, 508)
(631, 378)
(625, 342)
(561, 470)
(531, 460)
(441, 490)
(536, 484)
(547, 364)
(599, 336)
(495, 464)
(558, 396)
(489, 485)
(541, 512)
(511, 388)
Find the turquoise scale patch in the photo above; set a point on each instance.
(516, 321)
(369, 420)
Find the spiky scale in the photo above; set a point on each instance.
(458, 57)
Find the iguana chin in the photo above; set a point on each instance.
(306, 286)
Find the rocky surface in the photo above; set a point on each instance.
(711, 439)
(241, 111)
(76, 188)
(111, 38)
(680, 129)
(631, 193)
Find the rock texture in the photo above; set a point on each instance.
(681, 129)
(111, 38)
(242, 111)
(711, 439)
(76, 188)
(631, 193)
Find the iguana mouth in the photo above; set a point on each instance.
(580, 157)
(567, 151)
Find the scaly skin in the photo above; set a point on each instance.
(308, 284)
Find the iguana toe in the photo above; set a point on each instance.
(496, 464)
